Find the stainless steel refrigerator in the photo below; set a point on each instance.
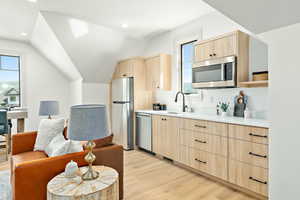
(122, 112)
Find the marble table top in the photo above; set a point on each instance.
(76, 187)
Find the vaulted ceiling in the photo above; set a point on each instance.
(259, 15)
(85, 38)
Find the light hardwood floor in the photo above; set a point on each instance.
(150, 178)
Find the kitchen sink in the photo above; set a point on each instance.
(174, 113)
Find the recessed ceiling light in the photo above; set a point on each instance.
(24, 34)
(124, 25)
(32, 1)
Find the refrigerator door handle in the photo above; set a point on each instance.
(121, 102)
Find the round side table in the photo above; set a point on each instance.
(106, 187)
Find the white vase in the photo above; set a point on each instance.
(71, 169)
(223, 114)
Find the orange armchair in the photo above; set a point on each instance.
(32, 170)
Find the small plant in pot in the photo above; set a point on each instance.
(224, 107)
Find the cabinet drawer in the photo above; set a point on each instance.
(249, 177)
(248, 133)
(203, 141)
(205, 126)
(209, 163)
(251, 153)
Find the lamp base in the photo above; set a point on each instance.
(90, 174)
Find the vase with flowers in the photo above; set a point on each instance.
(224, 107)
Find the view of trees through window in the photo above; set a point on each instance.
(9, 81)
(186, 67)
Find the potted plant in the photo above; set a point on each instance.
(224, 107)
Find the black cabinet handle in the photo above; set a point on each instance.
(200, 126)
(200, 141)
(262, 182)
(255, 135)
(254, 154)
(124, 75)
(164, 119)
(214, 54)
(200, 161)
(210, 55)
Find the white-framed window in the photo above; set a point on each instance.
(10, 90)
(186, 63)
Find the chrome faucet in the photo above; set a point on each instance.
(183, 100)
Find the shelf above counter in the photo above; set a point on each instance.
(254, 84)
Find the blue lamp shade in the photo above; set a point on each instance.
(87, 122)
(49, 108)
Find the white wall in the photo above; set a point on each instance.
(205, 27)
(284, 112)
(76, 92)
(40, 80)
(95, 93)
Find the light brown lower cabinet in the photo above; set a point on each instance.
(248, 176)
(248, 152)
(236, 154)
(209, 163)
(164, 136)
(203, 161)
(204, 141)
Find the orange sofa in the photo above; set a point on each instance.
(32, 170)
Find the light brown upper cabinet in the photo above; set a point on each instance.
(231, 44)
(124, 69)
(225, 46)
(203, 51)
(158, 72)
(219, 47)
(135, 67)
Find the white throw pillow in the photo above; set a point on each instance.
(48, 129)
(57, 146)
(74, 146)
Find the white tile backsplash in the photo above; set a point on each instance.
(206, 100)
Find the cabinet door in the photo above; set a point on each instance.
(165, 136)
(203, 51)
(155, 133)
(171, 142)
(225, 46)
(153, 73)
(126, 69)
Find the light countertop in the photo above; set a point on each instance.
(210, 117)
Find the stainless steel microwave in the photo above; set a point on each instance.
(218, 73)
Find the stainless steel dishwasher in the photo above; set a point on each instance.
(144, 131)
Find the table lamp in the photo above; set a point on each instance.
(48, 108)
(87, 123)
